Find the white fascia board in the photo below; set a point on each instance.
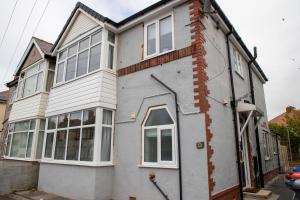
(78, 11)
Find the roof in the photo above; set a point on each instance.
(44, 46)
(149, 9)
(4, 95)
(281, 119)
(13, 82)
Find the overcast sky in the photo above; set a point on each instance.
(271, 25)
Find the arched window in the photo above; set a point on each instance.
(158, 137)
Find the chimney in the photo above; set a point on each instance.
(290, 109)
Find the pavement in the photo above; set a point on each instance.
(32, 195)
(278, 187)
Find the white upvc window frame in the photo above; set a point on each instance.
(160, 163)
(76, 42)
(22, 80)
(238, 63)
(156, 22)
(106, 52)
(267, 145)
(34, 132)
(97, 139)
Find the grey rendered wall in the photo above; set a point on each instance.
(223, 142)
(77, 182)
(130, 179)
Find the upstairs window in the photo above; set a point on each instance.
(158, 138)
(31, 80)
(80, 58)
(111, 48)
(238, 63)
(159, 36)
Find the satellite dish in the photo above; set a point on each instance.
(207, 6)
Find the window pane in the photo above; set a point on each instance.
(60, 145)
(150, 145)
(52, 123)
(39, 147)
(73, 144)
(111, 37)
(42, 124)
(18, 146)
(32, 124)
(151, 39)
(82, 63)
(22, 126)
(110, 57)
(89, 117)
(49, 144)
(75, 119)
(50, 79)
(107, 117)
(165, 34)
(11, 127)
(8, 145)
(70, 71)
(29, 87)
(62, 55)
(31, 71)
(39, 83)
(84, 44)
(87, 144)
(29, 145)
(72, 50)
(60, 72)
(158, 117)
(166, 145)
(42, 66)
(106, 144)
(62, 121)
(97, 37)
(95, 58)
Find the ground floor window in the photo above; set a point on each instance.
(268, 146)
(158, 138)
(75, 136)
(19, 139)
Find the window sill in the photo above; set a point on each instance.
(77, 163)
(240, 75)
(37, 93)
(158, 166)
(85, 75)
(20, 159)
(156, 55)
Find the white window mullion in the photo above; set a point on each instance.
(159, 145)
(98, 135)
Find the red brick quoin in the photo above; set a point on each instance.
(200, 78)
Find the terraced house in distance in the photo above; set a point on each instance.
(165, 104)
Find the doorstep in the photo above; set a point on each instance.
(32, 195)
(261, 194)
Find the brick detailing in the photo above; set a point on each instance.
(228, 194)
(200, 77)
(271, 174)
(159, 60)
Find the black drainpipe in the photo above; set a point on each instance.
(178, 132)
(233, 106)
(261, 175)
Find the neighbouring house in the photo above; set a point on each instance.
(290, 112)
(4, 95)
(168, 97)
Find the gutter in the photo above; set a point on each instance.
(261, 176)
(233, 107)
(178, 132)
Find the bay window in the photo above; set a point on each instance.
(159, 138)
(80, 58)
(19, 139)
(32, 80)
(71, 137)
(159, 36)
